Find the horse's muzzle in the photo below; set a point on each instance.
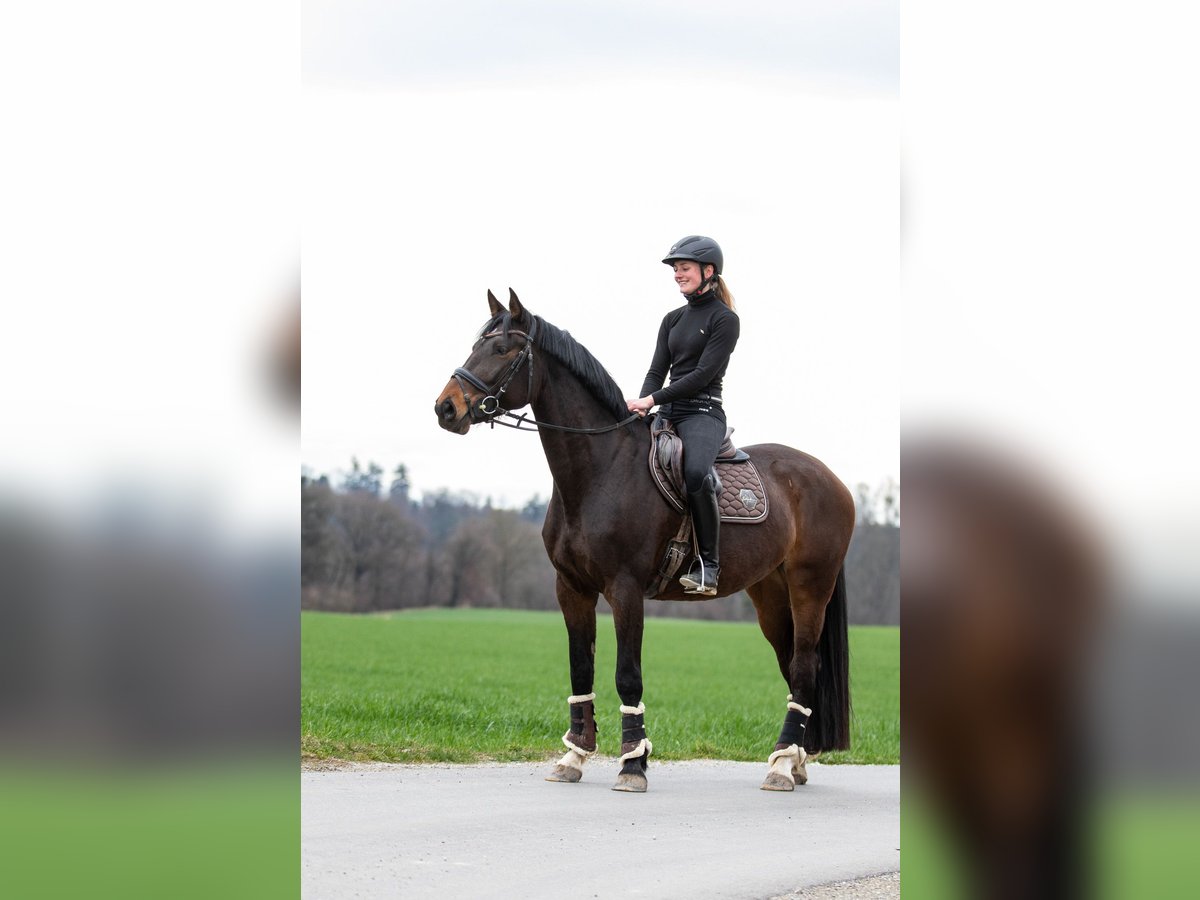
(449, 417)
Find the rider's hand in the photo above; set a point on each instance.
(641, 406)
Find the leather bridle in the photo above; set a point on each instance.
(488, 408)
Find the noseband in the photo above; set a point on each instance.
(489, 406)
(488, 409)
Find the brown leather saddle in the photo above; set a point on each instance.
(741, 496)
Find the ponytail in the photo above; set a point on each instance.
(723, 293)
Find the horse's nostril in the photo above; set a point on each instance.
(446, 409)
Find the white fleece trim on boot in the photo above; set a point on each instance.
(644, 748)
(787, 761)
(797, 707)
(571, 746)
(574, 759)
(582, 699)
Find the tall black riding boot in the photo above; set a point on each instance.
(706, 519)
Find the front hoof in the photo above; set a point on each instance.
(777, 782)
(800, 773)
(565, 774)
(632, 783)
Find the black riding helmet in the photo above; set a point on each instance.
(698, 248)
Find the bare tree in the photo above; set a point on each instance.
(364, 551)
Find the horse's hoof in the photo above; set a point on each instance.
(777, 782)
(633, 784)
(800, 774)
(566, 774)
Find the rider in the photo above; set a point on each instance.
(694, 344)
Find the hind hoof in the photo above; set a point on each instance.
(631, 784)
(565, 774)
(777, 782)
(800, 774)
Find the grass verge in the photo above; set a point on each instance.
(474, 685)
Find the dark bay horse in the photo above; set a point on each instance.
(790, 564)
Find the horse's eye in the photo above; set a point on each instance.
(500, 349)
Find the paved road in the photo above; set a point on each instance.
(703, 830)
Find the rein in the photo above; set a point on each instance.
(523, 419)
(488, 408)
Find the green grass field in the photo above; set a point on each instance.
(473, 685)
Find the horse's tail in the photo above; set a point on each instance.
(829, 727)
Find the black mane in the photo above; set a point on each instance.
(577, 359)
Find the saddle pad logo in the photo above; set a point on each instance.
(748, 499)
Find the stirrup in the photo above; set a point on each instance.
(705, 583)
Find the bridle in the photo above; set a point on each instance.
(489, 408)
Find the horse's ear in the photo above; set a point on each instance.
(494, 304)
(514, 305)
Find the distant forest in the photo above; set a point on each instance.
(366, 546)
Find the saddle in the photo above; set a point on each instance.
(740, 495)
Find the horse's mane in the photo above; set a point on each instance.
(575, 357)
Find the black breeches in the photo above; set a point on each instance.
(702, 434)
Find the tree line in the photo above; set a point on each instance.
(367, 546)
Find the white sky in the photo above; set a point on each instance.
(568, 179)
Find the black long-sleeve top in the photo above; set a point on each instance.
(694, 345)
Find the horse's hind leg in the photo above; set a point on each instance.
(773, 604)
(809, 592)
(770, 598)
(579, 612)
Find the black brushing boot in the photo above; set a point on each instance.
(706, 520)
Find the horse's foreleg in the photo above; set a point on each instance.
(580, 739)
(635, 750)
(579, 613)
(635, 746)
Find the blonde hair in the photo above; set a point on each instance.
(723, 293)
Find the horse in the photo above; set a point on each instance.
(791, 564)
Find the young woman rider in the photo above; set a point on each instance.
(694, 345)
